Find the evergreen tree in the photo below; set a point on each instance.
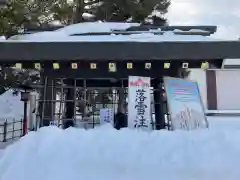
(131, 10)
(18, 15)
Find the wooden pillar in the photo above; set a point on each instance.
(158, 105)
(70, 96)
(46, 109)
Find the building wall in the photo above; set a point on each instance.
(225, 86)
(199, 75)
(228, 89)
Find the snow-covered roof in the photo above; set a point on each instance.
(95, 27)
(68, 33)
(144, 37)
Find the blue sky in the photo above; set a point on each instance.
(223, 13)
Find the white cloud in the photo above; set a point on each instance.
(223, 13)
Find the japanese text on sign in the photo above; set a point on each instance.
(140, 106)
(106, 116)
(139, 114)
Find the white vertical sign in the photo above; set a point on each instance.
(139, 102)
(106, 116)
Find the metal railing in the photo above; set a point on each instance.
(11, 129)
(223, 113)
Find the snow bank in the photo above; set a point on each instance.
(10, 106)
(104, 153)
(224, 123)
(1, 153)
(2, 38)
(64, 33)
(87, 27)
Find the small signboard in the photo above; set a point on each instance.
(53, 123)
(184, 104)
(106, 116)
(139, 102)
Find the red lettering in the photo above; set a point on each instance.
(139, 82)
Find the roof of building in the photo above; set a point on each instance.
(119, 41)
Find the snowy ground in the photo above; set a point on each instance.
(104, 153)
(224, 123)
(73, 154)
(1, 152)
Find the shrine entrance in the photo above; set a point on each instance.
(66, 95)
(75, 99)
(79, 78)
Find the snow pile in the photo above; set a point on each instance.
(104, 153)
(224, 123)
(2, 38)
(66, 32)
(1, 153)
(87, 27)
(10, 106)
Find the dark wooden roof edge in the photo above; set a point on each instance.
(210, 29)
(203, 33)
(62, 51)
(231, 66)
(207, 41)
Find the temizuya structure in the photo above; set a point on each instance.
(88, 59)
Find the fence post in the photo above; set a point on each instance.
(22, 127)
(5, 131)
(13, 128)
